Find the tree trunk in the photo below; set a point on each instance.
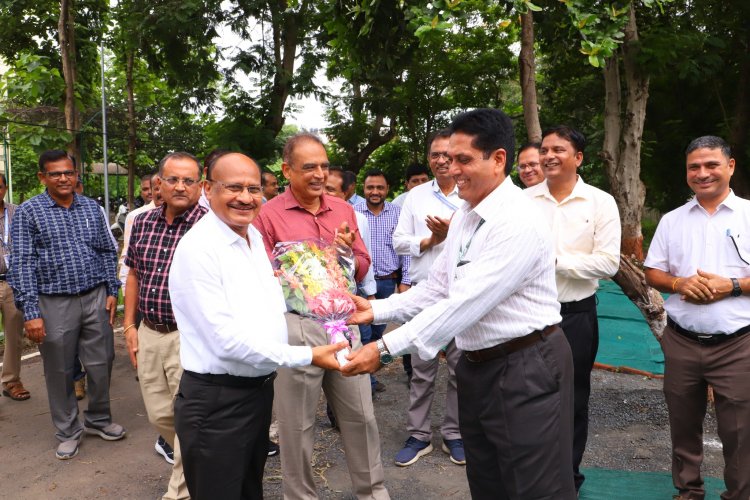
(357, 159)
(527, 67)
(129, 60)
(66, 37)
(622, 138)
(623, 133)
(286, 31)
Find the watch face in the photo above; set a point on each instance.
(386, 358)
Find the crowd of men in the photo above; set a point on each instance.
(498, 281)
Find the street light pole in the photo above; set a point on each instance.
(104, 134)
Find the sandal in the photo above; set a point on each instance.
(16, 391)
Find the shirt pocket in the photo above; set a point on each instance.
(578, 233)
(737, 252)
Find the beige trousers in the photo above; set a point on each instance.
(297, 395)
(13, 328)
(159, 373)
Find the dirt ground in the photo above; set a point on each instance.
(629, 431)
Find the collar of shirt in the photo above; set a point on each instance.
(436, 188)
(51, 202)
(488, 208)
(580, 190)
(731, 202)
(388, 207)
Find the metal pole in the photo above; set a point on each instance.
(104, 136)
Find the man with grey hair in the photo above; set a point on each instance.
(154, 346)
(700, 257)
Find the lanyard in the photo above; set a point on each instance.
(465, 249)
(445, 201)
(5, 228)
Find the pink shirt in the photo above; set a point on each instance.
(283, 219)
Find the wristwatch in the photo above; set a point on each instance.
(736, 290)
(385, 356)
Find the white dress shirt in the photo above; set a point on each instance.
(586, 231)
(228, 304)
(368, 286)
(423, 200)
(400, 199)
(124, 270)
(505, 288)
(689, 238)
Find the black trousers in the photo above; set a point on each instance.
(516, 420)
(581, 328)
(222, 424)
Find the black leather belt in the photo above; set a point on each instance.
(3, 277)
(392, 276)
(706, 338)
(232, 380)
(511, 346)
(76, 294)
(161, 327)
(577, 306)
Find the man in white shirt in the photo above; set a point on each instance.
(585, 227)
(698, 255)
(233, 337)
(498, 299)
(421, 231)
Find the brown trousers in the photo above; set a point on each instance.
(13, 328)
(689, 368)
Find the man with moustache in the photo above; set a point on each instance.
(585, 225)
(230, 308)
(62, 271)
(498, 300)
(421, 231)
(529, 168)
(304, 211)
(154, 346)
(700, 255)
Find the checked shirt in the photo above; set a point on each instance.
(59, 251)
(384, 258)
(150, 252)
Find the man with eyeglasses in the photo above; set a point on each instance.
(529, 169)
(700, 255)
(154, 347)
(304, 211)
(421, 232)
(63, 274)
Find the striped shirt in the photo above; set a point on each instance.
(385, 261)
(59, 251)
(493, 282)
(150, 253)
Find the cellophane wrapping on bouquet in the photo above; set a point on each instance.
(316, 278)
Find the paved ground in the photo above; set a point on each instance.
(629, 431)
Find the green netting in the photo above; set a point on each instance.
(605, 484)
(624, 337)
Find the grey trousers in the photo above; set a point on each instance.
(422, 392)
(82, 323)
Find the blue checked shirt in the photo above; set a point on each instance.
(384, 258)
(58, 250)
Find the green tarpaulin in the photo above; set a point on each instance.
(604, 484)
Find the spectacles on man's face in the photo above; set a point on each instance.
(58, 175)
(187, 181)
(436, 155)
(236, 189)
(530, 165)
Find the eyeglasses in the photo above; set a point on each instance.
(57, 175)
(309, 167)
(530, 165)
(187, 181)
(436, 155)
(237, 189)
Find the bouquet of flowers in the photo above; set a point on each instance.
(315, 278)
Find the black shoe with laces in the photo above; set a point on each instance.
(162, 448)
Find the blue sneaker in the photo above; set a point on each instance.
(412, 450)
(455, 449)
